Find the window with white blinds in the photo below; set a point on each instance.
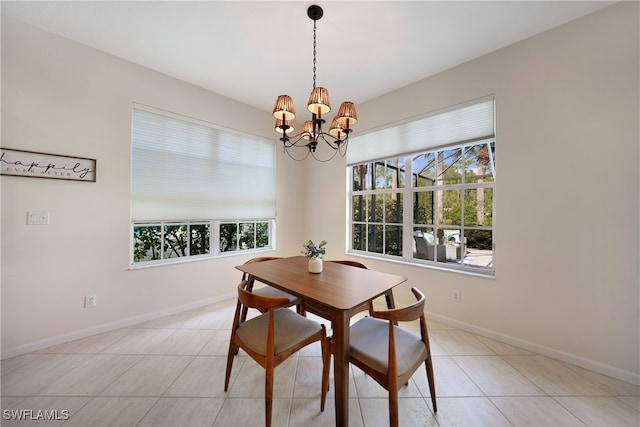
(185, 169)
(197, 190)
(422, 191)
(467, 122)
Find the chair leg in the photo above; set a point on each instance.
(326, 363)
(268, 395)
(393, 405)
(233, 348)
(432, 385)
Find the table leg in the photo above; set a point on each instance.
(340, 343)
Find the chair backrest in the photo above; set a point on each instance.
(262, 303)
(405, 314)
(245, 276)
(349, 262)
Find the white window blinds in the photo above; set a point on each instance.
(459, 124)
(183, 169)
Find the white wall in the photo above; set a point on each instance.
(567, 192)
(60, 97)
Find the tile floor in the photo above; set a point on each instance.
(170, 372)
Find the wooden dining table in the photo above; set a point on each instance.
(340, 288)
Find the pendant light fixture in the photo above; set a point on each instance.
(312, 133)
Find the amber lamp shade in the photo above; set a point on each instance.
(347, 114)
(284, 109)
(319, 101)
(281, 129)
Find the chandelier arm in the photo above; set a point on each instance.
(313, 154)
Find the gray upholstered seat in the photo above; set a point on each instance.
(389, 354)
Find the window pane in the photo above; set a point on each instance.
(395, 173)
(228, 237)
(375, 238)
(478, 206)
(380, 174)
(424, 170)
(393, 240)
(359, 237)
(449, 166)
(175, 240)
(247, 237)
(262, 234)
(423, 207)
(393, 208)
(358, 206)
(200, 237)
(375, 208)
(479, 244)
(147, 242)
(449, 207)
(361, 177)
(478, 164)
(453, 245)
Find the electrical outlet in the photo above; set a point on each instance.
(38, 218)
(89, 301)
(455, 295)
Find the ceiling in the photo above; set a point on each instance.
(255, 51)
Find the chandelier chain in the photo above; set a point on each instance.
(314, 54)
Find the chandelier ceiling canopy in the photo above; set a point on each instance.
(318, 105)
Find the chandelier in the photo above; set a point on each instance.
(312, 133)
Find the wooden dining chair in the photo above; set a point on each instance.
(272, 337)
(389, 354)
(322, 311)
(268, 291)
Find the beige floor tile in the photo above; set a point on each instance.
(91, 345)
(450, 380)
(204, 377)
(308, 378)
(601, 411)
(366, 387)
(151, 376)
(610, 385)
(249, 383)
(218, 345)
(495, 377)
(92, 376)
(183, 412)
(412, 412)
(306, 412)
(552, 376)
(535, 411)
(30, 378)
(42, 411)
(250, 412)
(199, 319)
(459, 343)
(183, 342)
(8, 365)
(112, 411)
(469, 411)
(633, 401)
(501, 348)
(139, 341)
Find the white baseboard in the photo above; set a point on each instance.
(61, 339)
(601, 368)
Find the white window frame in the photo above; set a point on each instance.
(436, 127)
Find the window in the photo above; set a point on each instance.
(187, 178)
(432, 206)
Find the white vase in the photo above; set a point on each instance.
(315, 265)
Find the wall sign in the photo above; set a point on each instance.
(41, 165)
